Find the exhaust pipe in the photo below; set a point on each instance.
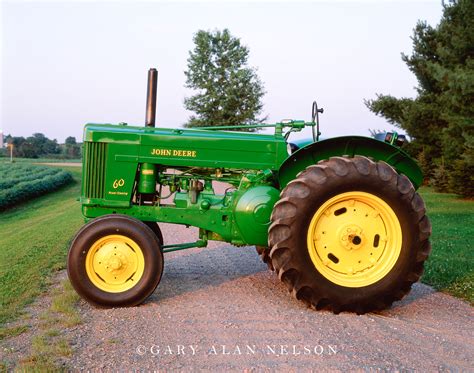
(147, 180)
(151, 98)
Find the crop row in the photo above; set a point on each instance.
(20, 183)
(40, 173)
(22, 170)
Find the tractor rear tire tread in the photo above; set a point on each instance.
(264, 253)
(286, 226)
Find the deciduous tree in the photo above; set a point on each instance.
(229, 92)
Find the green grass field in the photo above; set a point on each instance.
(450, 267)
(33, 242)
(34, 238)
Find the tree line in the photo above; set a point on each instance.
(39, 146)
(440, 120)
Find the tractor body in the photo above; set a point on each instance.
(128, 170)
(339, 220)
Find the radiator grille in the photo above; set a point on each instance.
(94, 169)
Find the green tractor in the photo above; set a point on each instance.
(338, 220)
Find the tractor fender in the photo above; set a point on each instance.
(349, 146)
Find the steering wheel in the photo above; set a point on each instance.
(315, 119)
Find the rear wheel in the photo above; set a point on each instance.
(349, 234)
(115, 261)
(264, 253)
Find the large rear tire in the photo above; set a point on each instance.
(115, 261)
(264, 254)
(349, 234)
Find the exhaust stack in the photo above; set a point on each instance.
(151, 98)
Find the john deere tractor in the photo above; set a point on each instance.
(338, 220)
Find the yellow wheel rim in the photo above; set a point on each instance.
(115, 263)
(354, 239)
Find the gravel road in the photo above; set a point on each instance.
(219, 308)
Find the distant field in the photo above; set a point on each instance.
(39, 160)
(20, 182)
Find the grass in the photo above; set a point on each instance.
(64, 302)
(49, 347)
(450, 267)
(47, 351)
(34, 237)
(13, 331)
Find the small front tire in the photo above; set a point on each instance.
(115, 261)
(156, 229)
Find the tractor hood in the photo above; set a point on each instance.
(190, 147)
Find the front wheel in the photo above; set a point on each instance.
(156, 230)
(349, 234)
(115, 261)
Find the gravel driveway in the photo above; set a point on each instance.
(219, 308)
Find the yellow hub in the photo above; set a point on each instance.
(115, 263)
(354, 239)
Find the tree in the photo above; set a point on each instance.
(33, 146)
(71, 148)
(42, 145)
(71, 140)
(229, 91)
(440, 120)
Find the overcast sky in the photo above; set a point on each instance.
(65, 64)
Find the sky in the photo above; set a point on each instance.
(65, 64)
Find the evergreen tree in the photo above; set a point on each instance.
(440, 120)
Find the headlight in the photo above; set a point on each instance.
(288, 148)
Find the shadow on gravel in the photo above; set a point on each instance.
(207, 268)
(213, 267)
(417, 293)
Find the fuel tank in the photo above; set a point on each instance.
(252, 213)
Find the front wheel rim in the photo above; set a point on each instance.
(115, 263)
(354, 239)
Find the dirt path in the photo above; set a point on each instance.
(224, 296)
